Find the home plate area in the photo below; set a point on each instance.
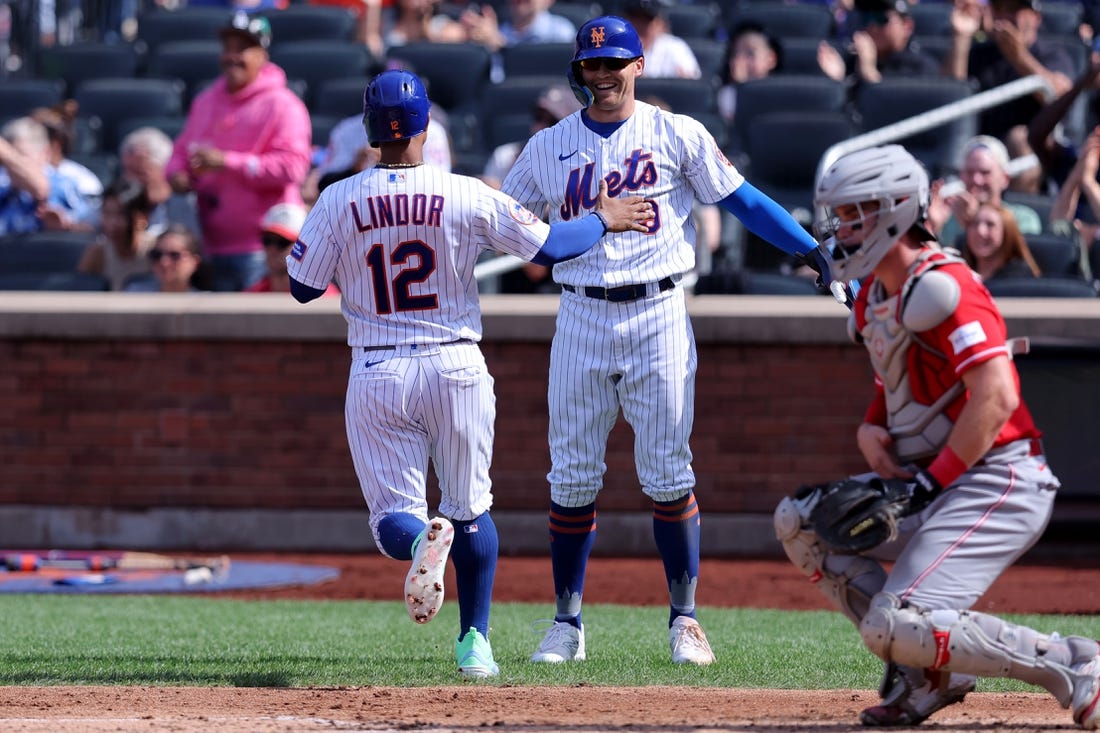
(118, 571)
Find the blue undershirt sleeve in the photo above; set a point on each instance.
(768, 220)
(304, 293)
(569, 239)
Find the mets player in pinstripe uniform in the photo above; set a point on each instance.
(623, 338)
(401, 240)
(948, 423)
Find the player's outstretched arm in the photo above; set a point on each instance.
(568, 239)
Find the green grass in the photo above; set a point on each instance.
(166, 640)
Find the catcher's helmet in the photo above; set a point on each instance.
(607, 36)
(395, 107)
(888, 176)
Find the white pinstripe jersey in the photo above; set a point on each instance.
(402, 244)
(670, 159)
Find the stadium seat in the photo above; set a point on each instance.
(683, 96)
(58, 281)
(784, 93)
(897, 98)
(340, 96)
(711, 55)
(800, 56)
(1057, 255)
(114, 100)
(104, 165)
(781, 19)
(931, 18)
(1061, 18)
(321, 127)
(536, 59)
(1040, 202)
(577, 11)
(308, 22)
(456, 73)
(692, 22)
(192, 62)
(184, 24)
(19, 97)
(171, 125)
(43, 252)
(516, 95)
(784, 149)
(507, 128)
(80, 62)
(314, 62)
(1040, 287)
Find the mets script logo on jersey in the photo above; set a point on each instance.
(598, 37)
(523, 215)
(581, 191)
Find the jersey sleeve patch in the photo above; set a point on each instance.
(298, 251)
(967, 335)
(523, 215)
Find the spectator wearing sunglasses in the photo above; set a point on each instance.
(882, 45)
(279, 231)
(177, 264)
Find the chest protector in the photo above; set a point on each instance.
(891, 327)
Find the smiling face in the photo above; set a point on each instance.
(241, 61)
(985, 234)
(174, 261)
(611, 82)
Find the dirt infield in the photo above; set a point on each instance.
(732, 583)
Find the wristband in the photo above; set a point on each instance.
(947, 467)
(603, 220)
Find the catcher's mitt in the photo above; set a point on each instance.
(853, 516)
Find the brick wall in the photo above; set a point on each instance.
(234, 424)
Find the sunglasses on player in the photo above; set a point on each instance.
(611, 64)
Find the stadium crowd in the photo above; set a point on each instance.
(121, 120)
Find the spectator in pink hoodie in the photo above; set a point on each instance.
(245, 147)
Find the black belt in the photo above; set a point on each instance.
(623, 293)
(441, 343)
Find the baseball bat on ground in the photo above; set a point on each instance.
(28, 562)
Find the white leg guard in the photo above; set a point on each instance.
(849, 581)
(971, 643)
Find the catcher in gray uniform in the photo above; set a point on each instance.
(959, 488)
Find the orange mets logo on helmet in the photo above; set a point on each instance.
(597, 38)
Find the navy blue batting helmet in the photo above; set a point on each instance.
(395, 107)
(608, 36)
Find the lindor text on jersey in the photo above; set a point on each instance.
(399, 209)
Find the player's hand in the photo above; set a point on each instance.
(630, 213)
(877, 447)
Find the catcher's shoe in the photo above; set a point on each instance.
(563, 642)
(475, 656)
(689, 643)
(1086, 694)
(424, 585)
(904, 704)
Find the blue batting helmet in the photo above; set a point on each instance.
(608, 36)
(395, 107)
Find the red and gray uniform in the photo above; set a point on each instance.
(922, 340)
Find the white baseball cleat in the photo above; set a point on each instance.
(424, 586)
(1086, 694)
(689, 643)
(563, 642)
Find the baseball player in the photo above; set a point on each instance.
(948, 422)
(623, 338)
(401, 239)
